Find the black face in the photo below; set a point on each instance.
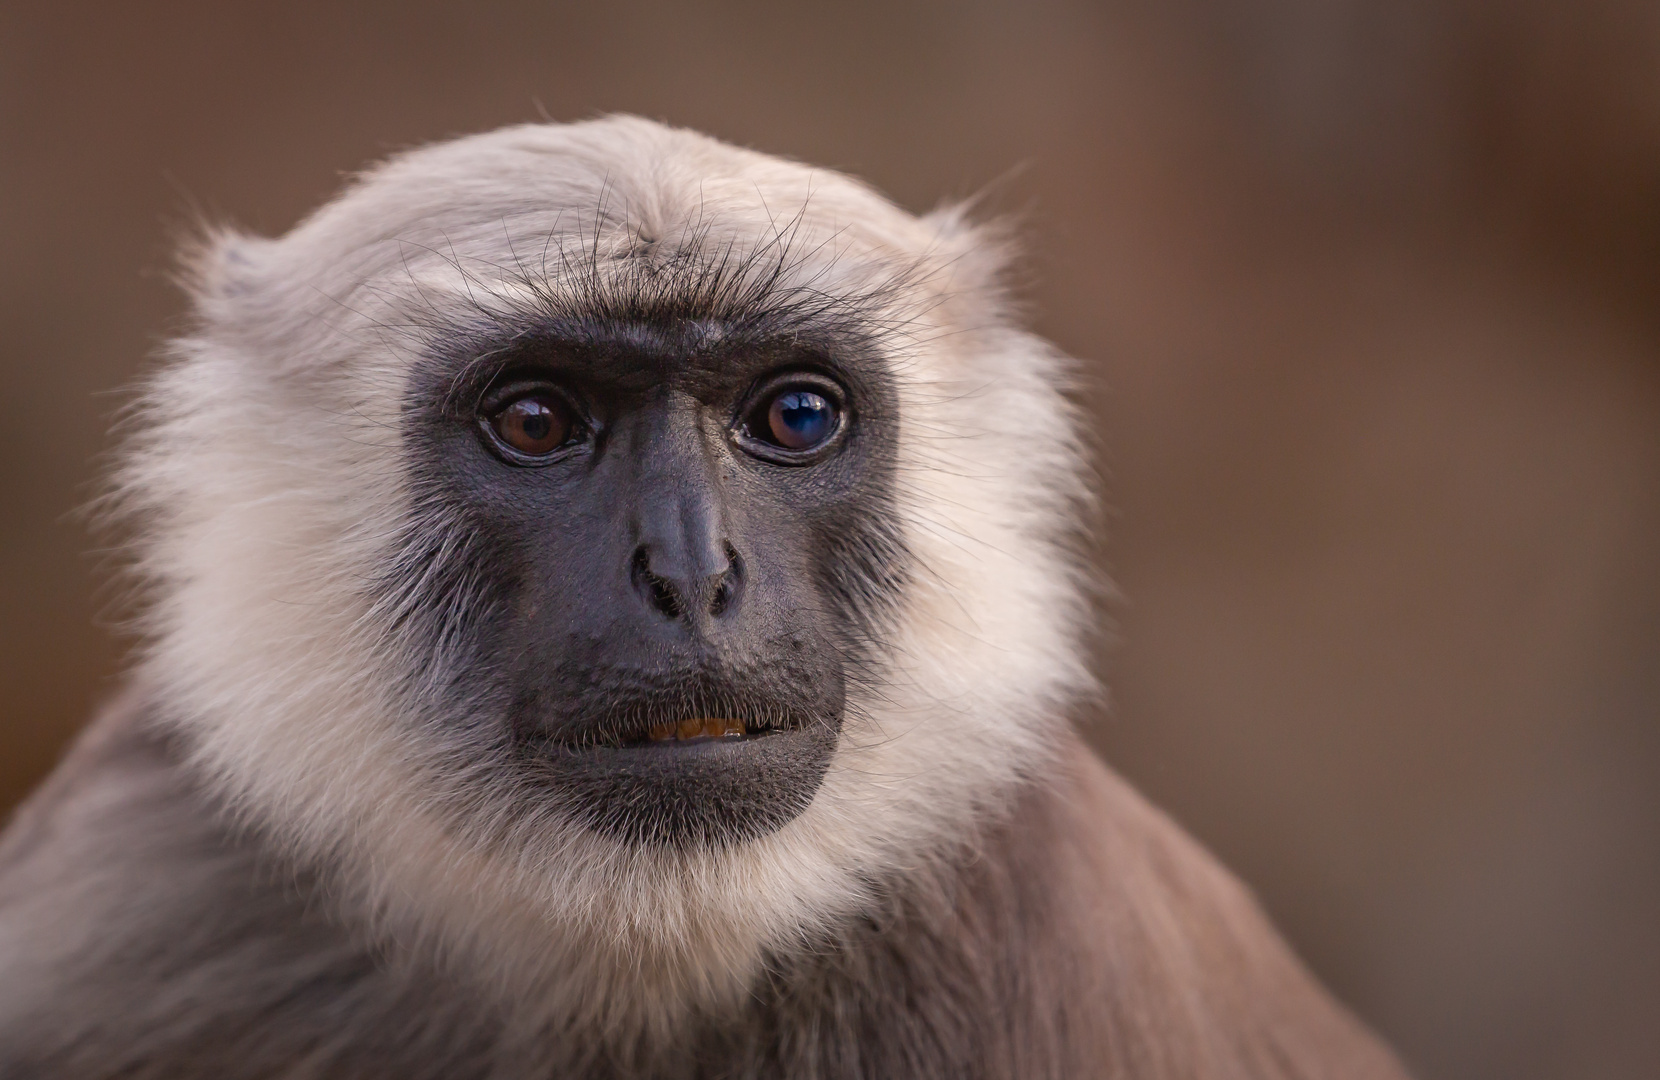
(663, 549)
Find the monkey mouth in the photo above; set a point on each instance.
(667, 770)
(696, 728)
(701, 729)
(672, 728)
(711, 705)
(713, 755)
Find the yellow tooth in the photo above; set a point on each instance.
(697, 727)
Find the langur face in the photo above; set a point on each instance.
(683, 533)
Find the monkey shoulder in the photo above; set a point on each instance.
(1146, 956)
(141, 936)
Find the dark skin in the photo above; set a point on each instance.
(685, 536)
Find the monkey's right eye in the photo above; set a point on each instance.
(534, 425)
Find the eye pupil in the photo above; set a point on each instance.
(535, 425)
(800, 419)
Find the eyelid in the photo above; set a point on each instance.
(770, 386)
(505, 390)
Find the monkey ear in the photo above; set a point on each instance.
(217, 263)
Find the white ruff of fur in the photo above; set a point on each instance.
(269, 479)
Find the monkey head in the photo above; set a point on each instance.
(609, 543)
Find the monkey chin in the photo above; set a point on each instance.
(735, 783)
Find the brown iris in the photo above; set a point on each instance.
(535, 424)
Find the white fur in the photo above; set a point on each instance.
(268, 476)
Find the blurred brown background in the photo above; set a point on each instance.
(1369, 294)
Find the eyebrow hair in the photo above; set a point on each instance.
(784, 290)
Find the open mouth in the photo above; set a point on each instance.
(689, 728)
(701, 729)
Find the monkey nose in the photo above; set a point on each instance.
(688, 590)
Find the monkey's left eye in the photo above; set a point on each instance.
(534, 425)
(795, 419)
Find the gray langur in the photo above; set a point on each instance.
(611, 611)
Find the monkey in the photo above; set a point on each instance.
(612, 607)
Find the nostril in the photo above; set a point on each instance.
(731, 580)
(658, 592)
(663, 598)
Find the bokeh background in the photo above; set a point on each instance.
(1368, 295)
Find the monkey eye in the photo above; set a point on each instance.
(796, 419)
(534, 425)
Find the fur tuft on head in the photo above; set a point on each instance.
(308, 603)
